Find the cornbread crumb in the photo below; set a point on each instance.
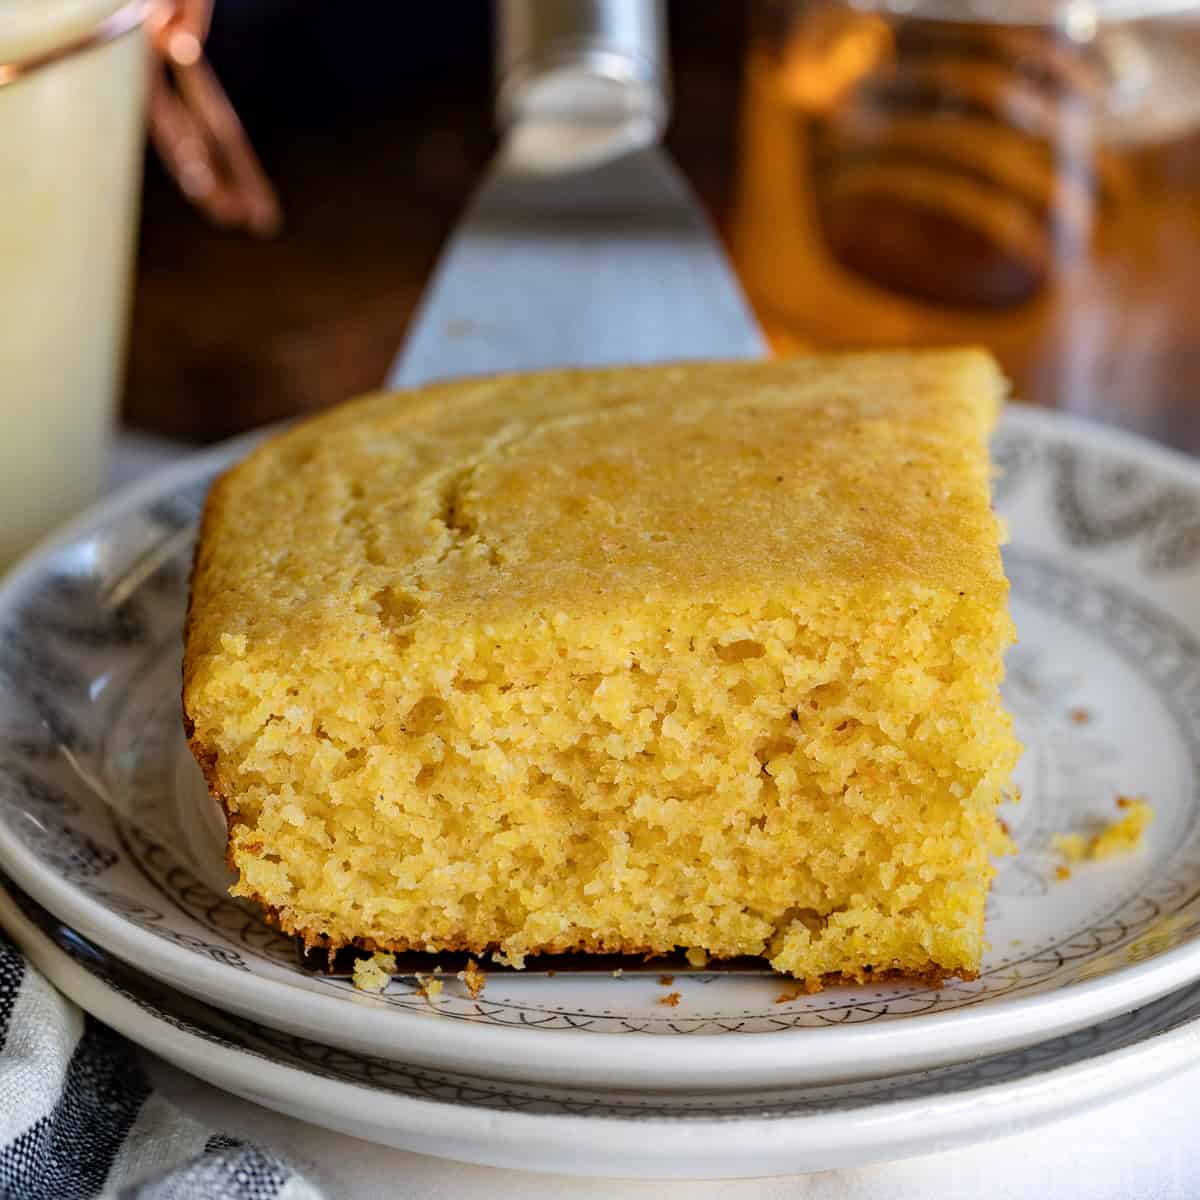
(1072, 846)
(1061, 872)
(670, 1000)
(699, 657)
(1125, 835)
(790, 995)
(474, 978)
(666, 980)
(375, 973)
(618, 972)
(1122, 836)
(429, 987)
(1080, 716)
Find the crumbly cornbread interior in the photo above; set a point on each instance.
(699, 656)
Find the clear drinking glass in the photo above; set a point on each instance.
(1022, 175)
(72, 94)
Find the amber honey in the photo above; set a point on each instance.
(916, 180)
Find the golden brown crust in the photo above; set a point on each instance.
(929, 976)
(204, 754)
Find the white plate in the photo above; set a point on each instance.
(1105, 563)
(581, 1131)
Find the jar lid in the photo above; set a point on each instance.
(1079, 18)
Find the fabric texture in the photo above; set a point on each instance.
(78, 1118)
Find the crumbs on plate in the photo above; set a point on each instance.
(373, 974)
(671, 999)
(429, 987)
(473, 977)
(1121, 836)
(807, 988)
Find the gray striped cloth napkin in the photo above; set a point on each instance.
(78, 1118)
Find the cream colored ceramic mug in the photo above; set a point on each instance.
(72, 97)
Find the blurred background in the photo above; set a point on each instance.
(882, 173)
(374, 122)
(1022, 175)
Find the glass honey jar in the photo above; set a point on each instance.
(1024, 176)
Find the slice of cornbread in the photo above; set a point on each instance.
(698, 657)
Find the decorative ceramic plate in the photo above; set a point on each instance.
(583, 1131)
(102, 821)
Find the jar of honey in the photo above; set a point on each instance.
(1024, 176)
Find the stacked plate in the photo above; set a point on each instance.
(1089, 988)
